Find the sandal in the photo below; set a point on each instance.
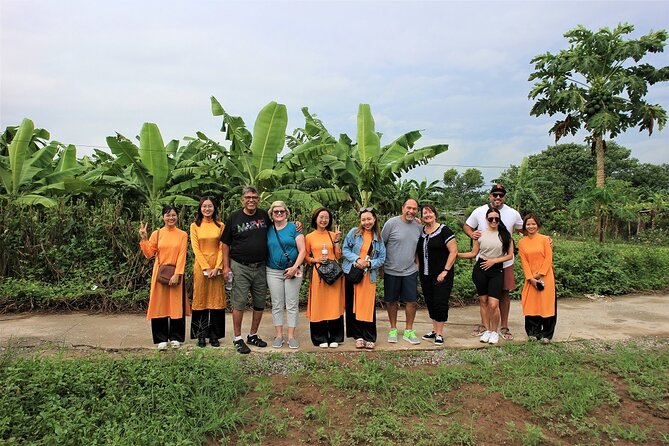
(370, 345)
(479, 330)
(359, 343)
(506, 333)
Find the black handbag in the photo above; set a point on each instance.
(330, 271)
(355, 275)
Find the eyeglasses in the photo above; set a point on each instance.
(365, 210)
(251, 197)
(498, 195)
(278, 212)
(493, 219)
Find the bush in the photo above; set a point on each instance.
(71, 256)
(591, 267)
(78, 256)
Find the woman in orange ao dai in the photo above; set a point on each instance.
(538, 298)
(325, 307)
(167, 303)
(208, 305)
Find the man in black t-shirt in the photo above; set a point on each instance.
(244, 253)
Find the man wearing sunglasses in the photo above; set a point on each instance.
(514, 223)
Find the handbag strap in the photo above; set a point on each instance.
(285, 252)
(157, 250)
(331, 241)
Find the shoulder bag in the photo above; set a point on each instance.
(330, 270)
(166, 271)
(356, 274)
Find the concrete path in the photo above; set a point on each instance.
(610, 318)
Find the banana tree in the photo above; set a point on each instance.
(149, 169)
(254, 159)
(33, 172)
(366, 169)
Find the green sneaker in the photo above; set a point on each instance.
(410, 337)
(392, 336)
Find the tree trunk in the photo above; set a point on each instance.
(600, 180)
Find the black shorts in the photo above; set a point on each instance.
(400, 288)
(488, 282)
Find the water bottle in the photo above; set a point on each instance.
(228, 283)
(324, 251)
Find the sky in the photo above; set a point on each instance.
(458, 71)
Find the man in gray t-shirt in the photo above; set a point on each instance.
(400, 235)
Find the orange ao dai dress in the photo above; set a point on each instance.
(170, 247)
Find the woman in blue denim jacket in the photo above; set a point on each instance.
(363, 249)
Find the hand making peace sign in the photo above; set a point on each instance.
(142, 230)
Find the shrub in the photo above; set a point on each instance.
(78, 256)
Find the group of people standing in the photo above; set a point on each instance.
(256, 250)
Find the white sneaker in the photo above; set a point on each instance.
(494, 337)
(175, 344)
(485, 337)
(323, 345)
(162, 345)
(334, 344)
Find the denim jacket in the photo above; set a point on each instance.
(351, 253)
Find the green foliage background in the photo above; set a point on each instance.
(85, 256)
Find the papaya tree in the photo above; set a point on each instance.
(598, 84)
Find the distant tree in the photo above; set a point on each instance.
(462, 190)
(425, 192)
(562, 173)
(599, 84)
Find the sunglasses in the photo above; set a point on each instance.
(498, 195)
(493, 219)
(278, 212)
(251, 197)
(365, 210)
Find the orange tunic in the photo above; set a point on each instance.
(536, 256)
(208, 294)
(364, 293)
(326, 302)
(165, 300)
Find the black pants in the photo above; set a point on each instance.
(166, 329)
(437, 295)
(355, 328)
(541, 327)
(327, 331)
(207, 324)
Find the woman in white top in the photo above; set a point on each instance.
(494, 247)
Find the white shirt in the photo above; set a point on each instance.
(510, 217)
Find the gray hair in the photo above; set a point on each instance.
(248, 189)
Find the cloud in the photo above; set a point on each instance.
(456, 70)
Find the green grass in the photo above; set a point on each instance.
(559, 393)
(644, 373)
